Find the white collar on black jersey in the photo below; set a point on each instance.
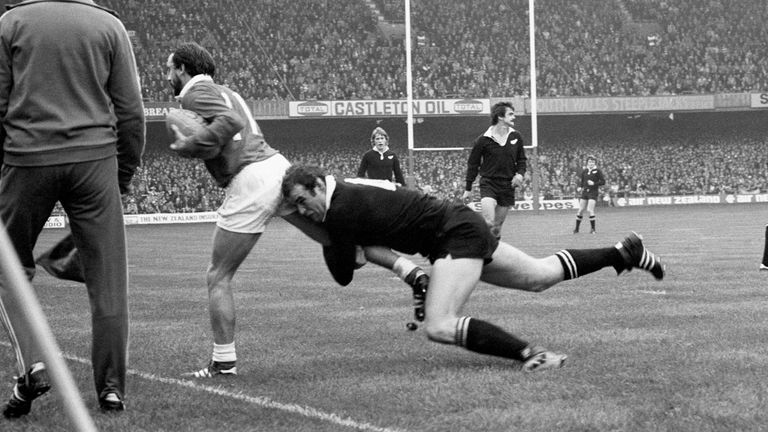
(386, 149)
(489, 134)
(330, 186)
(192, 81)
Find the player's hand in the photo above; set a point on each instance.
(179, 145)
(517, 181)
(465, 196)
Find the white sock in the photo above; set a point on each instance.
(403, 266)
(224, 352)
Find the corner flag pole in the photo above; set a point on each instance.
(18, 287)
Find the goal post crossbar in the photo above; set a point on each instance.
(440, 148)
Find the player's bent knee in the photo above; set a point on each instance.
(440, 330)
(216, 278)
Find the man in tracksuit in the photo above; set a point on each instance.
(73, 131)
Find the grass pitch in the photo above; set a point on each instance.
(689, 353)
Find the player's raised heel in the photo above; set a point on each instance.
(637, 256)
(419, 282)
(28, 387)
(213, 369)
(538, 359)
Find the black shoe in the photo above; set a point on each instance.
(576, 231)
(111, 403)
(636, 255)
(538, 359)
(28, 387)
(419, 282)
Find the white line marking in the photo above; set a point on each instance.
(261, 401)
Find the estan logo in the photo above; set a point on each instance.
(312, 109)
(468, 106)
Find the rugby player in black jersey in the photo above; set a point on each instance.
(461, 247)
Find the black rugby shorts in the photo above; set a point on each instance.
(464, 235)
(499, 189)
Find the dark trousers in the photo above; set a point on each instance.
(89, 193)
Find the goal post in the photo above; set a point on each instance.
(532, 147)
(441, 149)
(532, 61)
(17, 286)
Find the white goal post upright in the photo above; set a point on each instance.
(409, 91)
(532, 48)
(409, 97)
(18, 287)
(534, 159)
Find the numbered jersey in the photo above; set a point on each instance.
(232, 139)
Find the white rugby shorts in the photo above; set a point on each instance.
(253, 196)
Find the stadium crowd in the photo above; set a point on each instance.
(322, 49)
(680, 164)
(331, 50)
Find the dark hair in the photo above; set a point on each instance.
(304, 175)
(196, 59)
(498, 110)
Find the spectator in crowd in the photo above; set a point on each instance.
(667, 159)
(588, 47)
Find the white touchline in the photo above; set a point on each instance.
(261, 401)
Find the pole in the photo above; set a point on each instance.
(534, 110)
(18, 287)
(409, 91)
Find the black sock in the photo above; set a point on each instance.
(485, 338)
(592, 222)
(765, 250)
(579, 262)
(578, 221)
